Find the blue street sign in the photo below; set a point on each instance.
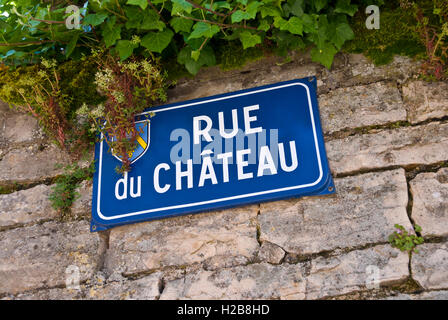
(243, 147)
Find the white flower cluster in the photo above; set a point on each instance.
(144, 66)
(84, 110)
(131, 66)
(445, 29)
(98, 111)
(95, 113)
(135, 39)
(49, 63)
(149, 68)
(103, 79)
(42, 74)
(119, 96)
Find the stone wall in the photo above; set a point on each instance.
(386, 136)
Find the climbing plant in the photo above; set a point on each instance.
(186, 29)
(129, 87)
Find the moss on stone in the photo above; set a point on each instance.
(10, 78)
(231, 55)
(409, 286)
(174, 69)
(397, 36)
(6, 189)
(75, 80)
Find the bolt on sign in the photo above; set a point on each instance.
(243, 147)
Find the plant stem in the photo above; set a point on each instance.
(224, 25)
(48, 21)
(117, 14)
(203, 8)
(441, 36)
(203, 44)
(155, 9)
(25, 43)
(119, 7)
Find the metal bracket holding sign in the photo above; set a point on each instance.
(249, 146)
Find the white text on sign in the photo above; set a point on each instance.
(182, 172)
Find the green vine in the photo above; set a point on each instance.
(404, 240)
(64, 190)
(188, 29)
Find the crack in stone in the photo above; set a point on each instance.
(11, 147)
(411, 169)
(44, 288)
(409, 207)
(397, 125)
(104, 237)
(12, 186)
(161, 287)
(258, 226)
(35, 223)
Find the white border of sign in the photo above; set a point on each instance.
(220, 199)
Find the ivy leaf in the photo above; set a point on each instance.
(293, 25)
(269, 11)
(264, 25)
(238, 16)
(157, 41)
(287, 41)
(320, 36)
(320, 4)
(195, 44)
(249, 40)
(180, 6)
(125, 49)
(297, 8)
(135, 16)
(249, 13)
(111, 36)
(344, 6)
(340, 34)
(219, 5)
(203, 29)
(151, 21)
(180, 24)
(94, 19)
(207, 57)
(111, 33)
(252, 9)
(195, 54)
(325, 55)
(142, 3)
(309, 23)
(243, 2)
(234, 35)
(71, 45)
